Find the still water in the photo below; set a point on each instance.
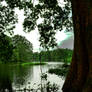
(19, 77)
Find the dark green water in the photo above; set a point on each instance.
(18, 77)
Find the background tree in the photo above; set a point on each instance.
(36, 56)
(23, 48)
(6, 48)
(57, 55)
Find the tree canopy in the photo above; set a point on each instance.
(54, 18)
(7, 19)
(22, 48)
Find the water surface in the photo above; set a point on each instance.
(19, 77)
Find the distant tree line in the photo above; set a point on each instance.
(19, 49)
(60, 55)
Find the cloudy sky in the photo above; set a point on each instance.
(67, 43)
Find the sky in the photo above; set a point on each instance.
(61, 37)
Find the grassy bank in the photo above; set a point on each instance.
(33, 63)
(24, 63)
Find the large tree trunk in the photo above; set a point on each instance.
(79, 78)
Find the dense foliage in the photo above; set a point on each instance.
(15, 49)
(23, 49)
(8, 18)
(6, 48)
(54, 15)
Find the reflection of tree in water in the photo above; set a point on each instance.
(5, 81)
(12, 74)
(20, 76)
(15, 78)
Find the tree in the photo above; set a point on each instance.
(6, 48)
(23, 48)
(79, 78)
(54, 18)
(35, 56)
(7, 18)
(7, 21)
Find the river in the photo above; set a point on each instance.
(19, 77)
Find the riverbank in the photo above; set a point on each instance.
(33, 63)
(24, 63)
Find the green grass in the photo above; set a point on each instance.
(23, 63)
(33, 63)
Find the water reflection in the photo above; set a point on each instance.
(5, 81)
(19, 77)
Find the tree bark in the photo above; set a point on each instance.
(79, 78)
